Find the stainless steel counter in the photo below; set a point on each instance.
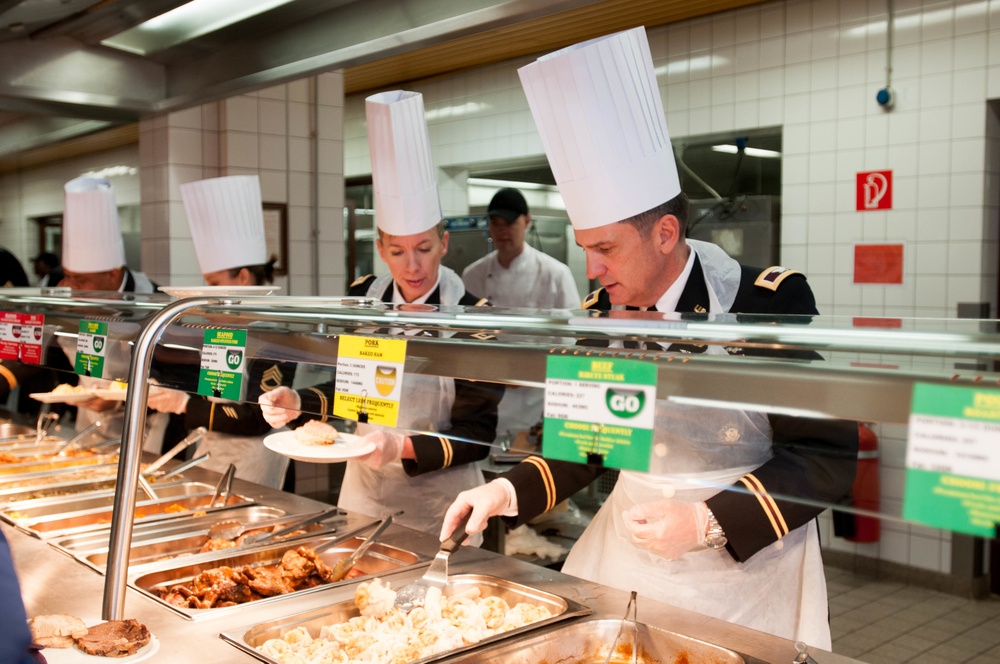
(52, 582)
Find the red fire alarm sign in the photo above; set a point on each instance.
(875, 190)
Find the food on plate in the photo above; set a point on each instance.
(56, 630)
(114, 638)
(315, 432)
(66, 388)
(118, 385)
(221, 586)
(383, 633)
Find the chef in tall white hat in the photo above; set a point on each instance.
(749, 556)
(94, 260)
(410, 471)
(226, 219)
(92, 248)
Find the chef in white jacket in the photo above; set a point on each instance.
(226, 219)
(419, 466)
(94, 260)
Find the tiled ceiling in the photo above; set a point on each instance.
(60, 89)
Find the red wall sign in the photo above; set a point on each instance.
(878, 263)
(875, 190)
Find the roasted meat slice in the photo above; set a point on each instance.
(268, 581)
(115, 638)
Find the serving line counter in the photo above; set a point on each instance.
(55, 583)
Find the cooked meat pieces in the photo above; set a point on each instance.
(115, 638)
(224, 586)
(216, 544)
(58, 630)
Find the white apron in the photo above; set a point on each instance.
(254, 462)
(698, 451)
(425, 405)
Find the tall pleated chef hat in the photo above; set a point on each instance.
(91, 236)
(226, 218)
(598, 110)
(403, 177)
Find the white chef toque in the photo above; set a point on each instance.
(598, 110)
(406, 194)
(91, 237)
(226, 218)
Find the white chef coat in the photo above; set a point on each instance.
(534, 280)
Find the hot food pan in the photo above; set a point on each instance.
(472, 618)
(59, 517)
(589, 641)
(221, 585)
(166, 547)
(25, 466)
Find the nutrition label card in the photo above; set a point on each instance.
(953, 459)
(369, 379)
(223, 358)
(91, 346)
(599, 410)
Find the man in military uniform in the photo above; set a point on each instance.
(724, 521)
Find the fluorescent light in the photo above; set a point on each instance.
(750, 152)
(194, 19)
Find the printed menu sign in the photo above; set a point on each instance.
(10, 342)
(32, 326)
(952, 459)
(599, 410)
(223, 358)
(369, 379)
(91, 344)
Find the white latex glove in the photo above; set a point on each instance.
(166, 400)
(388, 447)
(668, 528)
(496, 498)
(280, 406)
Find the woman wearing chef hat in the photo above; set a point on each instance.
(417, 473)
(227, 225)
(749, 555)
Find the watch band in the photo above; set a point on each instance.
(715, 537)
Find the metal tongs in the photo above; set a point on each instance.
(185, 466)
(257, 538)
(342, 567)
(223, 488)
(75, 440)
(190, 440)
(45, 422)
(634, 610)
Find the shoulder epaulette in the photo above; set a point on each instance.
(592, 299)
(361, 280)
(482, 302)
(772, 277)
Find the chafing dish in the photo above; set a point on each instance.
(56, 477)
(67, 462)
(9, 430)
(165, 546)
(588, 642)
(561, 608)
(379, 560)
(65, 515)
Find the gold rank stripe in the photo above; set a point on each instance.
(449, 452)
(482, 302)
(231, 412)
(9, 376)
(322, 402)
(767, 504)
(548, 481)
(211, 417)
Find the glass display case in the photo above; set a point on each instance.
(893, 374)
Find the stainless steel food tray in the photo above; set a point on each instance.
(588, 642)
(380, 559)
(561, 608)
(15, 469)
(65, 515)
(56, 476)
(169, 547)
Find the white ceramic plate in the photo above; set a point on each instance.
(348, 446)
(109, 394)
(76, 656)
(66, 397)
(211, 291)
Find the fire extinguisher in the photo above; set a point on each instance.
(865, 493)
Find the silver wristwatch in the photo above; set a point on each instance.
(715, 538)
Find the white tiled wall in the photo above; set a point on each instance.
(813, 67)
